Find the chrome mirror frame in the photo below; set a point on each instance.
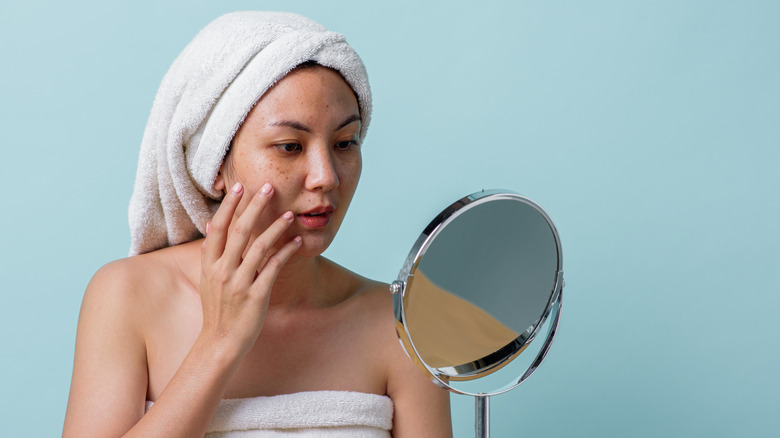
(442, 376)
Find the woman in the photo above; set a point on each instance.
(261, 119)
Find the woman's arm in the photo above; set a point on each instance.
(109, 381)
(109, 385)
(421, 407)
(108, 389)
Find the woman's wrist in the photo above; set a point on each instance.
(219, 350)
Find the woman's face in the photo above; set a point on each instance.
(302, 138)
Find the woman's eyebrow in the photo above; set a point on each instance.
(291, 124)
(350, 119)
(301, 127)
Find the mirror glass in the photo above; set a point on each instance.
(478, 287)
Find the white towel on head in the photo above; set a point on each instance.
(202, 101)
(304, 414)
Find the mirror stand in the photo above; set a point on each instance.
(482, 416)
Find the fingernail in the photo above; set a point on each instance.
(298, 240)
(266, 189)
(288, 216)
(236, 188)
(208, 225)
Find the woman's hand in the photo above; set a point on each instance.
(236, 276)
(111, 369)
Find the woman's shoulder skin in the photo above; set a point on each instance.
(110, 357)
(135, 292)
(110, 367)
(421, 408)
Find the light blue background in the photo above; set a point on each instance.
(649, 130)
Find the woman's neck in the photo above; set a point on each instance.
(312, 282)
(300, 284)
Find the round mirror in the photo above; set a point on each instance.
(481, 286)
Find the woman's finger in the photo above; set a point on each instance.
(245, 224)
(218, 227)
(274, 264)
(264, 243)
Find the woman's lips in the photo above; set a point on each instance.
(316, 218)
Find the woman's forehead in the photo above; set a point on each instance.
(310, 96)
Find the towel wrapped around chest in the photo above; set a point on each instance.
(304, 415)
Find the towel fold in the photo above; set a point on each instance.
(304, 414)
(203, 99)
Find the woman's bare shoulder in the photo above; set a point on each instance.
(362, 291)
(111, 349)
(133, 281)
(124, 274)
(347, 285)
(354, 281)
(421, 408)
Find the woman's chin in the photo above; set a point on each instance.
(313, 246)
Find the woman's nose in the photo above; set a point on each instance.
(322, 171)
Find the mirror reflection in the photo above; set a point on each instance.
(482, 282)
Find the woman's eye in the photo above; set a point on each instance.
(289, 147)
(346, 145)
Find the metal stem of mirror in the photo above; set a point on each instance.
(482, 416)
(481, 286)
